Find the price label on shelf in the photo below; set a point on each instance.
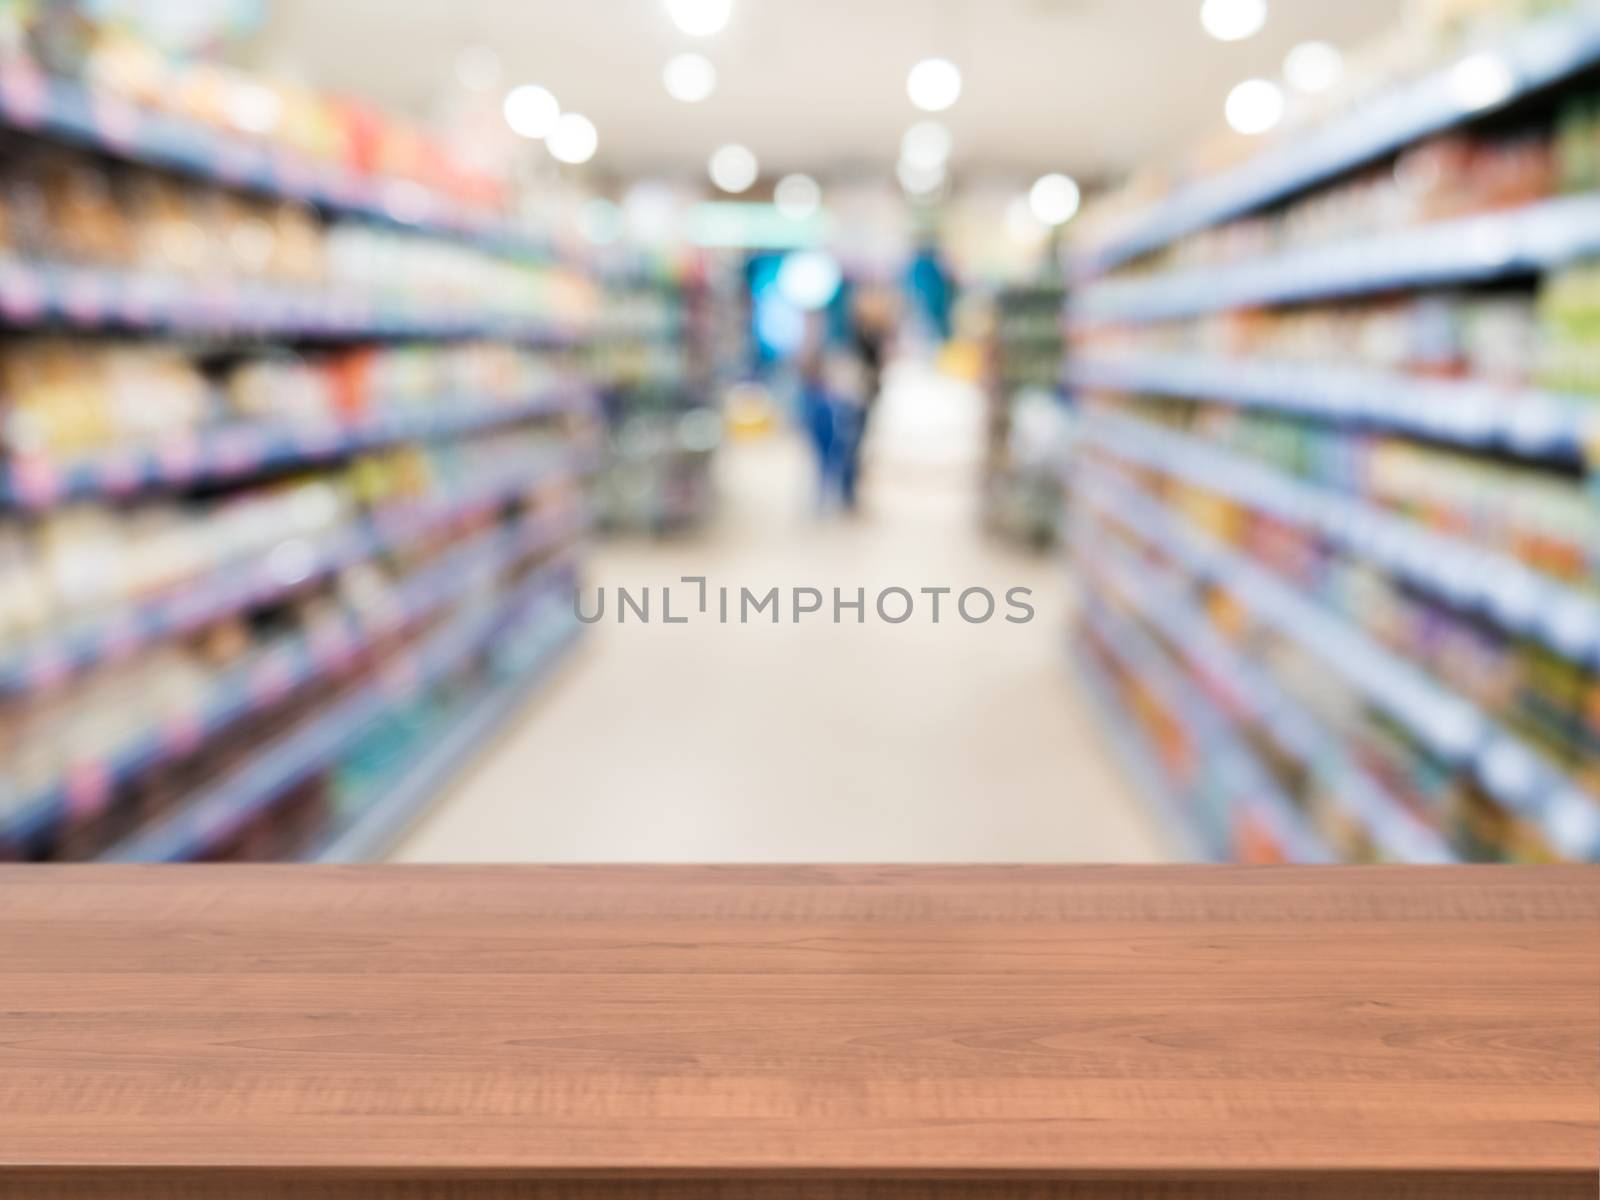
(317, 439)
(85, 298)
(116, 122)
(179, 457)
(402, 679)
(271, 680)
(22, 293)
(294, 175)
(121, 472)
(141, 298)
(47, 667)
(24, 93)
(182, 735)
(36, 482)
(235, 160)
(343, 186)
(120, 636)
(330, 645)
(194, 603)
(222, 303)
(1590, 437)
(87, 788)
(236, 452)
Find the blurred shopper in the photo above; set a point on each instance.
(929, 284)
(872, 323)
(816, 408)
(836, 388)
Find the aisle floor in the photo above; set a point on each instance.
(918, 742)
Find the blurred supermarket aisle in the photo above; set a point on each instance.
(812, 742)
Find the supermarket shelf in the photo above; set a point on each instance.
(32, 101)
(46, 661)
(1530, 422)
(377, 829)
(1252, 690)
(1544, 53)
(1493, 584)
(245, 451)
(35, 294)
(1229, 769)
(1471, 249)
(287, 667)
(1453, 728)
(1138, 757)
(212, 816)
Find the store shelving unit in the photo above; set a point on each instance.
(68, 111)
(215, 815)
(1471, 250)
(1480, 79)
(337, 675)
(1416, 672)
(1523, 421)
(91, 299)
(1021, 493)
(660, 399)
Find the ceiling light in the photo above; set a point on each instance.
(797, 197)
(934, 84)
(574, 139)
(926, 144)
(1481, 81)
(1313, 67)
(920, 181)
(700, 18)
(809, 279)
(1254, 106)
(689, 77)
(1233, 20)
(477, 68)
(734, 169)
(1053, 199)
(531, 111)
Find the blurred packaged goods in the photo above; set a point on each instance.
(298, 410)
(1338, 455)
(1022, 488)
(188, 104)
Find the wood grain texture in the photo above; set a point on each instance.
(562, 1033)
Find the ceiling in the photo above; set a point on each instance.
(1091, 87)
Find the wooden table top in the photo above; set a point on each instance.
(1127, 1031)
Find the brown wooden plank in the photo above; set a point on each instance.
(1341, 1186)
(1109, 1028)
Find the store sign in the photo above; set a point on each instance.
(729, 225)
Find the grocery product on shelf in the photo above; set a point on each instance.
(425, 522)
(296, 429)
(95, 242)
(1430, 77)
(654, 359)
(63, 401)
(1022, 491)
(1336, 470)
(79, 74)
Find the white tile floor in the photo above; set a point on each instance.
(812, 742)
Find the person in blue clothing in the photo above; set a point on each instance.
(816, 408)
(872, 324)
(832, 385)
(929, 283)
(841, 364)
